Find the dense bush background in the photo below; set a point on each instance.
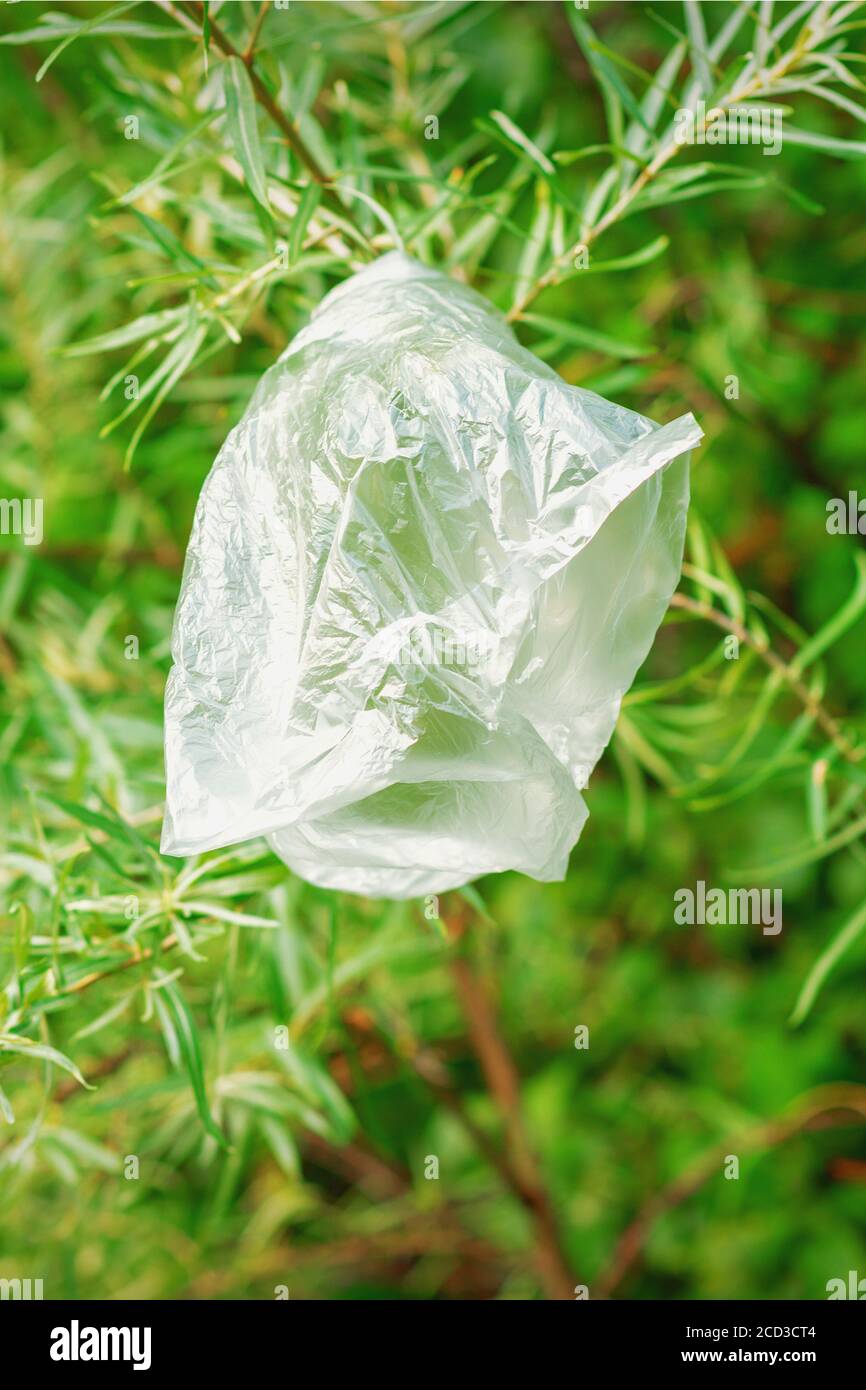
(406, 1033)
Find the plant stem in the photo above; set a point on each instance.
(831, 1105)
(831, 726)
(523, 1171)
(760, 84)
(249, 51)
(292, 136)
(167, 944)
(196, 9)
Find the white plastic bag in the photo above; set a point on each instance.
(423, 572)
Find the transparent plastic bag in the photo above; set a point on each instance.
(422, 574)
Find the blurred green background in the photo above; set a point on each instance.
(403, 1033)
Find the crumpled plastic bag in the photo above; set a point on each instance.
(422, 574)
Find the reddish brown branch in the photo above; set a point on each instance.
(520, 1168)
(250, 50)
(830, 1105)
(290, 133)
(813, 706)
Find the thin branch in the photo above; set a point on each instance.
(190, 14)
(811, 704)
(828, 1106)
(521, 1169)
(418, 1237)
(428, 1068)
(167, 944)
(760, 84)
(106, 1066)
(503, 1082)
(180, 18)
(249, 51)
(262, 95)
(292, 136)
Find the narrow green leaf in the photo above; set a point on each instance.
(798, 198)
(306, 207)
(516, 136)
(502, 128)
(111, 827)
(851, 611)
(654, 100)
(804, 854)
(189, 1051)
(763, 31)
(168, 163)
(189, 346)
(281, 1144)
(243, 128)
(535, 247)
(142, 327)
(109, 822)
(662, 197)
(841, 942)
(205, 34)
(469, 893)
(231, 885)
(225, 914)
(103, 1019)
(5, 1108)
(99, 21)
(107, 858)
(842, 149)
(174, 248)
(698, 46)
(798, 12)
(318, 1088)
(565, 157)
(837, 99)
(24, 1047)
(647, 253)
(169, 1032)
(604, 69)
(23, 932)
(86, 1150)
(582, 336)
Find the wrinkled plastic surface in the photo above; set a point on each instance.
(422, 574)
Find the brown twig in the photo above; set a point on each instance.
(429, 1068)
(759, 84)
(421, 1236)
(519, 1166)
(359, 1165)
(249, 51)
(291, 135)
(811, 704)
(830, 1105)
(106, 1066)
(515, 1163)
(293, 138)
(190, 14)
(167, 944)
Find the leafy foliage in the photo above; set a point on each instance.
(181, 184)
